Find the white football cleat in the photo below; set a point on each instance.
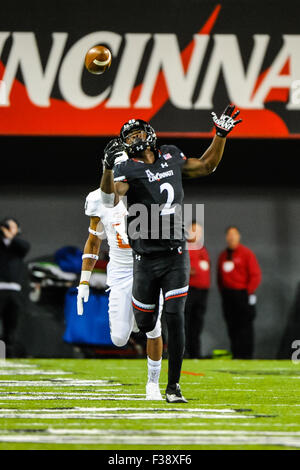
(153, 392)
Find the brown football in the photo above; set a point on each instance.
(98, 59)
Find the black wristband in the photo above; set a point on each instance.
(218, 133)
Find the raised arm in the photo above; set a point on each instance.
(110, 191)
(89, 259)
(208, 162)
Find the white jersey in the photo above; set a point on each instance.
(113, 220)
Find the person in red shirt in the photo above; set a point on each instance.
(198, 291)
(239, 276)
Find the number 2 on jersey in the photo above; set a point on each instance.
(167, 209)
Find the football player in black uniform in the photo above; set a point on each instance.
(152, 178)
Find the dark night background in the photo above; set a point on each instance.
(44, 182)
(67, 160)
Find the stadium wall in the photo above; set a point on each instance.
(52, 216)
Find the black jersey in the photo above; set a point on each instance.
(154, 200)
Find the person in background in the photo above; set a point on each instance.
(198, 291)
(239, 276)
(12, 251)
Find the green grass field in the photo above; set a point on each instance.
(100, 404)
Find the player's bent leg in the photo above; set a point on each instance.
(135, 328)
(119, 341)
(120, 313)
(145, 315)
(156, 332)
(145, 294)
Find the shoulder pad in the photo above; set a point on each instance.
(169, 151)
(93, 204)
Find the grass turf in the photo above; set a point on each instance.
(99, 404)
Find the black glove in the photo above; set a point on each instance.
(226, 122)
(112, 151)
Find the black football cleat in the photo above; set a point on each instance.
(174, 395)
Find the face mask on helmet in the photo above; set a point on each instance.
(137, 135)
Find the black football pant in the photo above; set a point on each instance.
(170, 272)
(195, 308)
(239, 317)
(10, 307)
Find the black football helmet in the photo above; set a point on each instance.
(139, 145)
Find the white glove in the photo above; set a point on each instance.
(82, 296)
(252, 299)
(226, 122)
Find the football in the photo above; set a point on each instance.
(98, 59)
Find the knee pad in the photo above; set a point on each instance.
(119, 342)
(156, 333)
(145, 320)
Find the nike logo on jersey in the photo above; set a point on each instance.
(158, 176)
(164, 165)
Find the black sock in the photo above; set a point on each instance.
(176, 342)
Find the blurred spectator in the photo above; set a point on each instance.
(12, 251)
(239, 275)
(195, 306)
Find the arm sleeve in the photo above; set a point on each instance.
(254, 278)
(93, 204)
(92, 208)
(19, 246)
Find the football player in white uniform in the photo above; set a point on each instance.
(110, 223)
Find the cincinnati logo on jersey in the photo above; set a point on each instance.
(158, 176)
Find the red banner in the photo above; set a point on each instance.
(173, 80)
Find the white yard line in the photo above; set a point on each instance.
(58, 383)
(138, 439)
(83, 393)
(10, 365)
(19, 395)
(121, 409)
(71, 414)
(77, 397)
(33, 372)
(248, 405)
(124, 416)
(170, 432)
